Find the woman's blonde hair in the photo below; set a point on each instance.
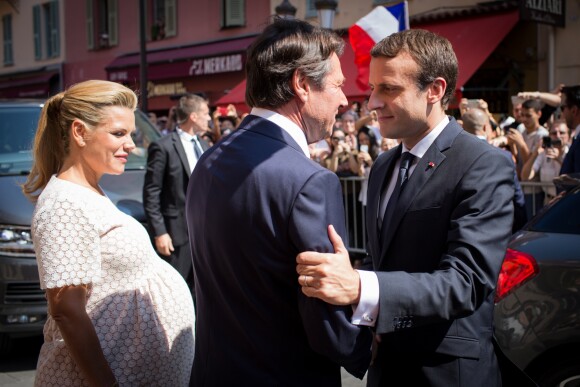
(85, 101)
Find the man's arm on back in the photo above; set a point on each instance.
(328, 327)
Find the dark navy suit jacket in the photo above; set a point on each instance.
(256, 203)
(165, 186)
(438, 262)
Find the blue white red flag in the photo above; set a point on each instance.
(372, 28)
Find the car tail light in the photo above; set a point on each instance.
(517, 269)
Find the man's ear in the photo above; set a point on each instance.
(436, 90)
(193, 116)
(78, 133)
(300, 86)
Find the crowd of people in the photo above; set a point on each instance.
(255, 275)
(537, 135)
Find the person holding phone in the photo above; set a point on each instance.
(546, 159)
(342, 160)
(367, 150)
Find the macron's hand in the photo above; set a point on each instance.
(329, 277)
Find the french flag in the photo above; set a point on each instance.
(380, 23)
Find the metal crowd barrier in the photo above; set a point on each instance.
(355, 212)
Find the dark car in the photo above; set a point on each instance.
(537, 313)
(22, 302)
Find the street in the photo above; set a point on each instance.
(18, 368)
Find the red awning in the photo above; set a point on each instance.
(27, 86)
(184, 53)
(473, 39)
(174, 62)
(237, 95)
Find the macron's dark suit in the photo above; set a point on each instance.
(164, 196)
(256, 203)
(438, 262)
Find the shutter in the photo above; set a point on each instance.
(90, 25)
(7, 30)
(36, 32)
(310, 9)
(112, 22)
(54, 30)
(234, 13)
(170, 18)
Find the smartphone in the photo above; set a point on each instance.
(364, 148)
(472, 103)
(546, 142)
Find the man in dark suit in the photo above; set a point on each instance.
(256, 202)
(170, 161)
(571, 112)
(439, 215)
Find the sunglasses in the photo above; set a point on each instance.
(338, 138)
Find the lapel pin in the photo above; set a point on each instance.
(430, 165)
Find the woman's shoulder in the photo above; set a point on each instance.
(61, 198)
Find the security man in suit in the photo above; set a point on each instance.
(170, 161)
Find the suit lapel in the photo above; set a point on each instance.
(178, 145)
(426, 167)
(379, 177)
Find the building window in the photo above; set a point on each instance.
(46, 30)
(7, 39)
(102, 23)
(233, 14)
(163, 19)
(310, 9)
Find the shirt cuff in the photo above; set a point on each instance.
(367, 310)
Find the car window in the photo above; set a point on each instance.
(144, 134)
(18, 125)
(562, 217)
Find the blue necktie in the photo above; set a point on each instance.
(406, 160)
(196, 147)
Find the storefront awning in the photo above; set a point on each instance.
(473, 38)
(185, 61)
(35, 85)
(237, 94)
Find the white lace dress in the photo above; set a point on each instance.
(140, 306)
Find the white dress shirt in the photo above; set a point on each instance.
(187, 141)
(367, 310)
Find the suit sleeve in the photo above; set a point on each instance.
(152, 187)
(466, 275)
(327, 327)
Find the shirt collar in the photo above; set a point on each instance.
(185, 136)
(288, 126)
(576, 131)
(421, 147)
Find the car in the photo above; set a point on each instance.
(22, 303)
(537, 311)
